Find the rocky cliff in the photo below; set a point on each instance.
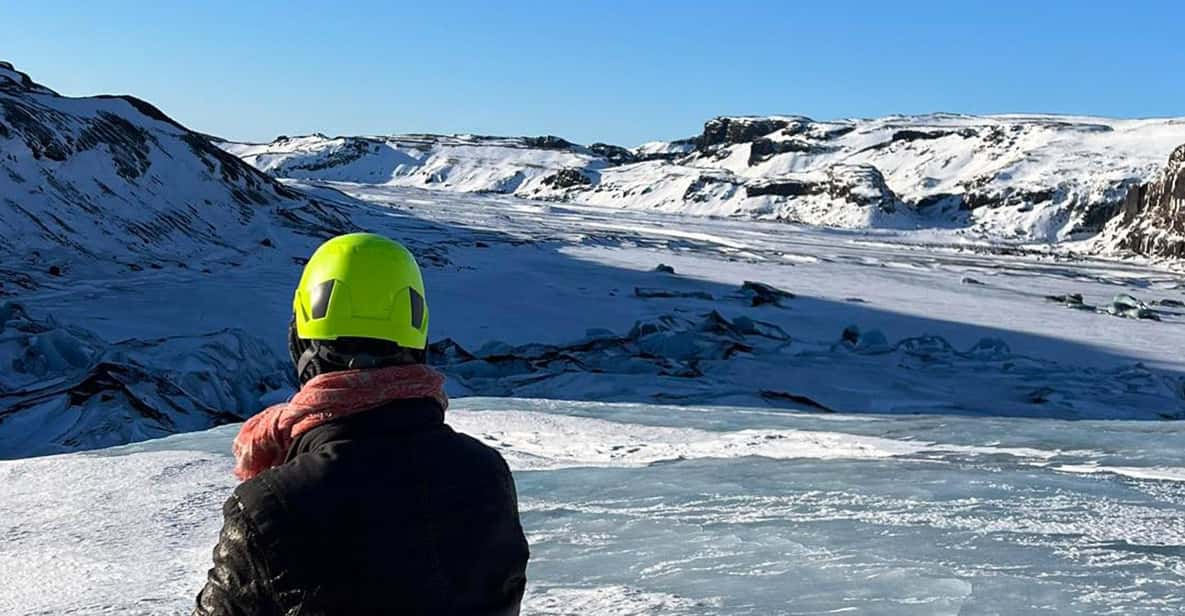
(1152, 220)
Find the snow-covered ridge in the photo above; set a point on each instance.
(464, 162)
(1023, 177)
(111, 178)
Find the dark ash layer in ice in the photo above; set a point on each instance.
(63, 388)
(743, 361)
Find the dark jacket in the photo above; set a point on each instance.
(386, 512)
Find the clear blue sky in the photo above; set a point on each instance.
(617, 71)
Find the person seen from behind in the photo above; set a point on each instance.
(357, 498)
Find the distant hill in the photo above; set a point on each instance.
(1014, 177)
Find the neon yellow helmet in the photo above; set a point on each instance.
(362, 285)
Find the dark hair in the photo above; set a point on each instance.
(313, 357)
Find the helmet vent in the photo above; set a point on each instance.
(417, 309)
(320, 299)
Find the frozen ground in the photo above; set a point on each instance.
(987, 503)
(639, 509)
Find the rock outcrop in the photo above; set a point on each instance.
(567, 178)
(861, 185)
(1152, 220)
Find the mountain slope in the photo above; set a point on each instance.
(1036, 178)
(112, 178)
(96, 188)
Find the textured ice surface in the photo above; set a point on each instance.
(638, 509)
(64, 388)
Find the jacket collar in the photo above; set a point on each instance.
(395, 418)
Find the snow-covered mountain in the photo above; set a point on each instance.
(1025, 177)
(111, 178)
(102, 188)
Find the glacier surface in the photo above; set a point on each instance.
(645, 509)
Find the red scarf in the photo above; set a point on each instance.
(264, 440)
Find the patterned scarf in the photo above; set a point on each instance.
(264, 440)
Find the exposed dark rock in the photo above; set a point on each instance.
(548, 142)
(1152, 218)
(834, 132)
(869, 342)
(850, 335)
(22, 82)
(751, 327)
(567, 178)
(127, 143)
(759, 293)
(615, 154)
(650, 293)
(911, 135)
(920, 135)
(1096, 215)
(1071, 300)
(1008, 197)
(763, 149)
(447, 351)
(862, 185)
(681, 148)
(706, 186)
(665, 346)
(941, 200)
(809, 403)
(36, 127)
(858, 184)
(730, 131)
(351, 149)
(782, 187)
(663, 268)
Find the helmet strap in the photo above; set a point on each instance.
(321, 357)
(304, 362)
